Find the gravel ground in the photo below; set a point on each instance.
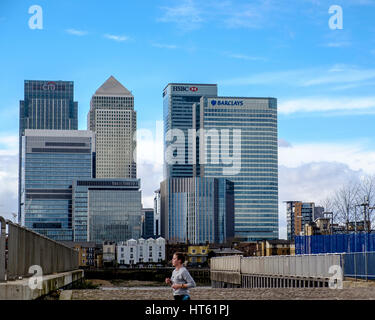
(208, 293)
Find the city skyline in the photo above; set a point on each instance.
(322, 78)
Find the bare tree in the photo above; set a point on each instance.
(349, 199)
(345, 200)
(328, 204)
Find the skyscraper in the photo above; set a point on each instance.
(51, 159)
(148, 223)
(46, 105)
(226, 137)
(238, 141)
(178, 99)
(106, 209)
(113, 119)
(197, 210)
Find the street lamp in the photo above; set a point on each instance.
(355, 216)
(331, 214)
(366, 218)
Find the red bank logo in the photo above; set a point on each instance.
(194, 89)
(49, 86)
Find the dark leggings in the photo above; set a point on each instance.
(181, 297)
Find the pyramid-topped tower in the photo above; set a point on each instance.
(112, 87)
(113, 119)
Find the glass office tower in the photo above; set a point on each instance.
(113, 119)
(51, 159)
(240, 144)
(148, 223)
(197, 210)
(46, 105)
(178, 99)
(106, 210)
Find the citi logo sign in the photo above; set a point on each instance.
(49, 86)
(194, 89)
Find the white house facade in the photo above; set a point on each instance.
(141, 251)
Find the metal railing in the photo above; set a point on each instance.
(356, 265)
(310, 266)
(227, 264)
(22, 248)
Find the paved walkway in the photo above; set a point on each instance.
(208, 293)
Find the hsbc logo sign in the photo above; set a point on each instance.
(184, 89)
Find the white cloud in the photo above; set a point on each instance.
(117, 38)
(245, 57)
(191, 15)
(318, 104)
(8, 145)
(355, 155)
(186, 15)
(249, 17)
(352, 86)
(164, 46)
(284, 143)
(338, 44)
(8, 175)
(76, 32)
(314, 181)
(340, 74)
(336, 74)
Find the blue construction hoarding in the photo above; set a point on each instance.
(337, 243)
(358, 251)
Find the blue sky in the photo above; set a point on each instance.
(323, 79)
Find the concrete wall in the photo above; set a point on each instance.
(21, 289)
(27, 248)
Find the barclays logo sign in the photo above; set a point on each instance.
(226, 103)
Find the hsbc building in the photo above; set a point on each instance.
(255, 193)
(178, 100)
